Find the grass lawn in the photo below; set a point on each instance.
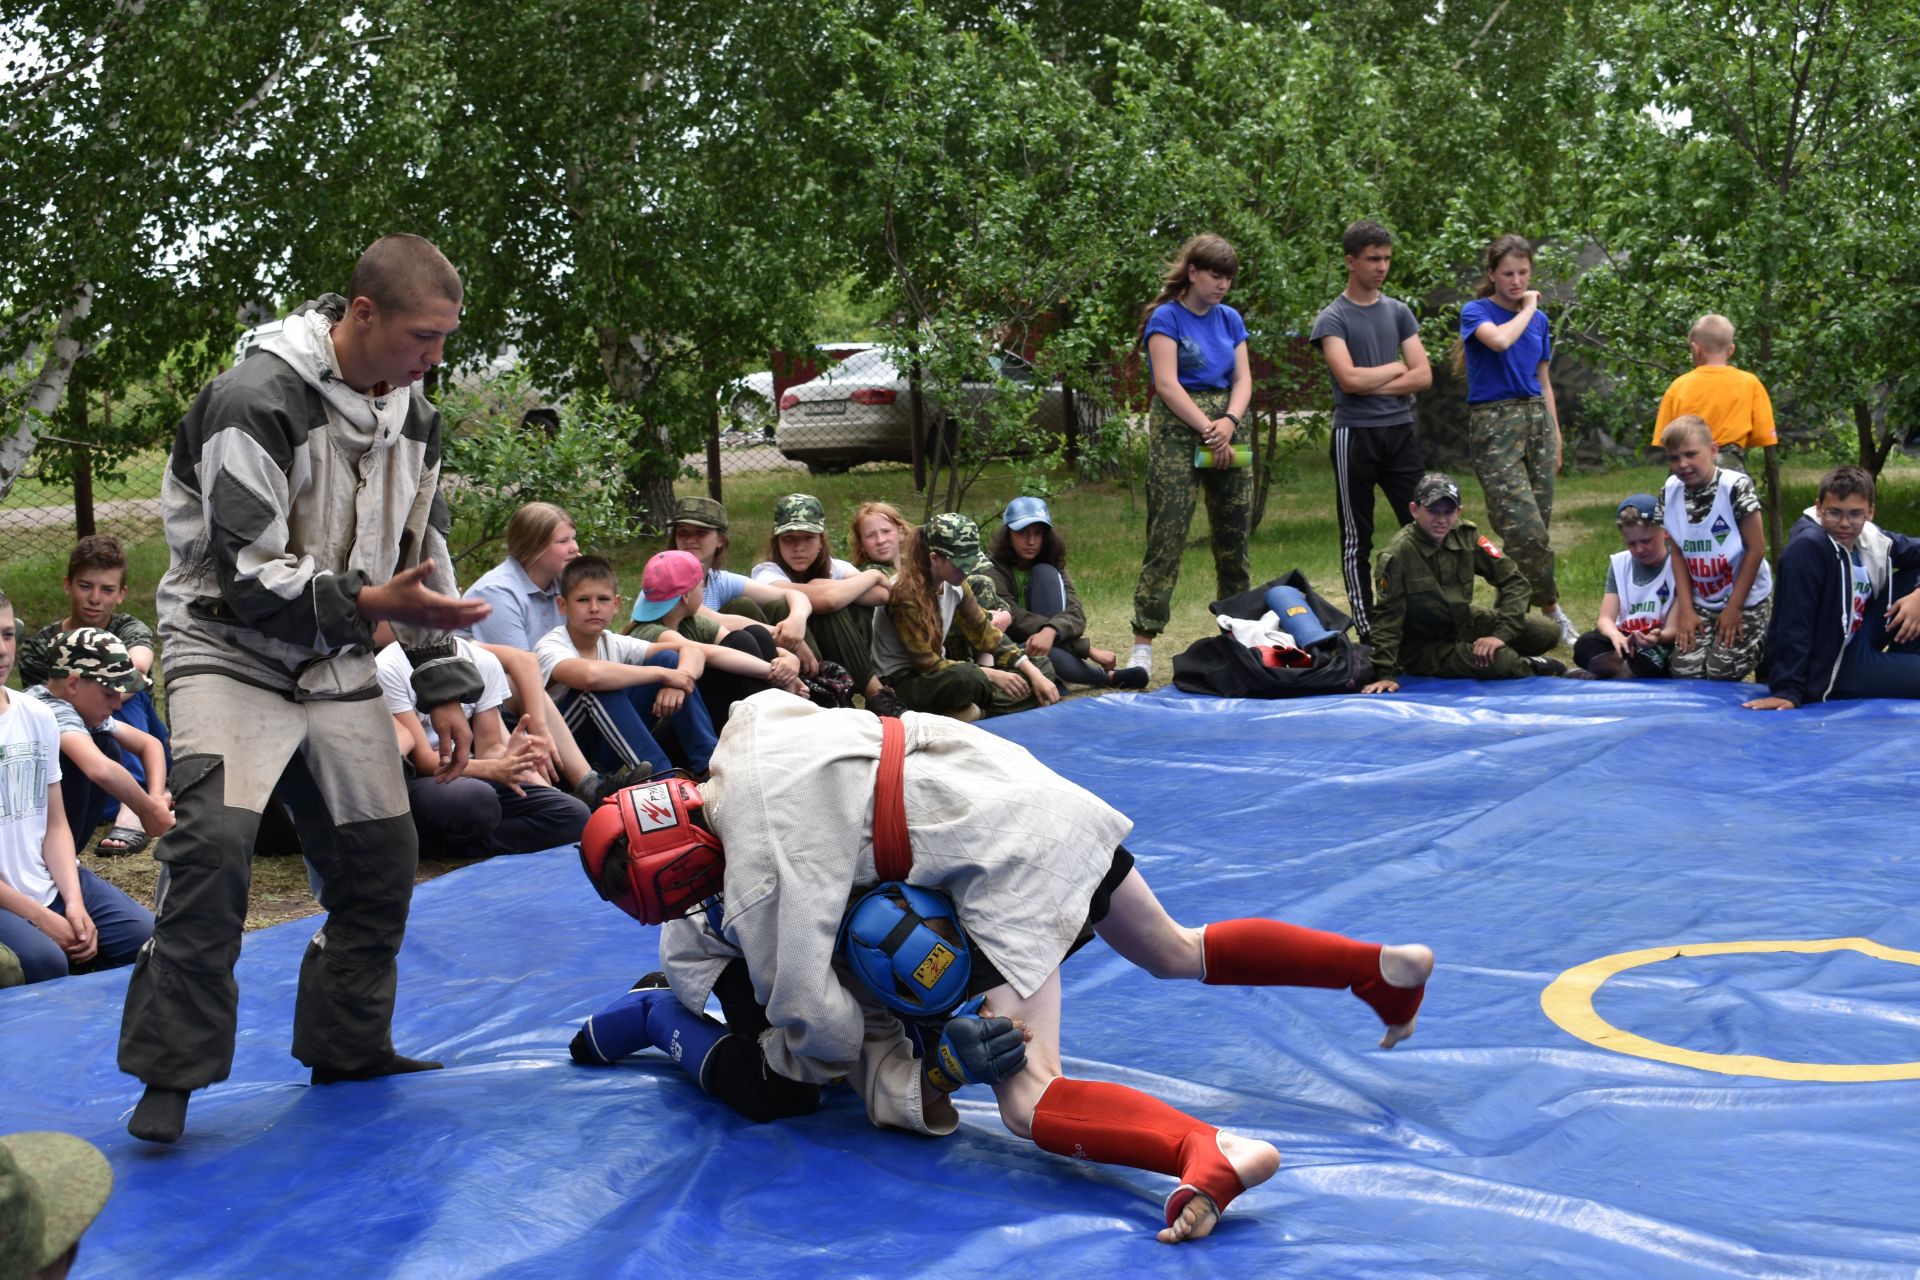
(1105, 525)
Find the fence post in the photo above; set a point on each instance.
(916, 417)
(713, 447)
(1072, 427)
(83, 491)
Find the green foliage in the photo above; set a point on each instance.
(1751, 158)
(495, 461)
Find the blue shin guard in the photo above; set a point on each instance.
(648, 1019)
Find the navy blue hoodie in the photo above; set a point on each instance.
(1813, 603)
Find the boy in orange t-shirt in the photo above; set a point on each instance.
(1733, 401)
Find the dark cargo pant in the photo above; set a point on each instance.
(958, 685)
(1452, 658)
(844, 636)
(1512, 445)
(1171, 481)
(232, 743)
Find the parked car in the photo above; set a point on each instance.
(749, 403)
(861, 410)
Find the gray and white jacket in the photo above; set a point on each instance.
(286, 493)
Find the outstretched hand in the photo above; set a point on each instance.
(407, 599)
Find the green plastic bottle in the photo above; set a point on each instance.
(1242, 456)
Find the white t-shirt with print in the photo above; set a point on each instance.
(29, 764)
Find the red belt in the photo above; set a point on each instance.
(892, 853)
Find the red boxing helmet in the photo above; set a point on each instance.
(647, 855)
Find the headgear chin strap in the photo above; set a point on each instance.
(892, 949)
(644, 852)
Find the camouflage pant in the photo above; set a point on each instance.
(958, 685)
(1513, 454)
(1171, 481)
(1710, 660)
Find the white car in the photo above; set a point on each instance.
(860, 410)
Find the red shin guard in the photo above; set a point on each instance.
(1112, 1124)
(1272, 953)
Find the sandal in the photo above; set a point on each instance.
(131, 840)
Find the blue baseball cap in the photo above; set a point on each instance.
(1022, 512)
(1643, 505)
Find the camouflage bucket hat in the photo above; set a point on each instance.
(97, 655)
(799, 513)
(958, 539)
(1436, 486)
(704, 512)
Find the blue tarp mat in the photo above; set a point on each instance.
(1522, 830)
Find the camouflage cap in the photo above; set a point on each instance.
(958, 539)
(704, 512)
(1436, 486)
(799, 513)
(97, 655)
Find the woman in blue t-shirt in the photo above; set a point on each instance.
(1197, 353)
(1513, 430)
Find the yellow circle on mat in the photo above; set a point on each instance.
(1568, 1000)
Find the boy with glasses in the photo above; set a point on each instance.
(1846, 619)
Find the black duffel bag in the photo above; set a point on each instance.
(1221, 665)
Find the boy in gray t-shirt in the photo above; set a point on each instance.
(1371, 344)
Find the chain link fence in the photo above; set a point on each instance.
(69, 491)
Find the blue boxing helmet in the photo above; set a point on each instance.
(1296, 616)
(890, 944)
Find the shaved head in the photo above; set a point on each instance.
(403, 273)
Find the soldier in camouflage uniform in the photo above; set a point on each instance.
(1425, 622)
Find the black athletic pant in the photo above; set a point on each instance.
(1362, 458)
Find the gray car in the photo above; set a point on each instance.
(861, 411)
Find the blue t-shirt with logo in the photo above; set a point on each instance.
(1205, 343)
(1513, 374)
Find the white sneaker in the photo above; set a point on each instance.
(1141, 657)
(1568, 632)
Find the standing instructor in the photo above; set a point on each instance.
(301, 505)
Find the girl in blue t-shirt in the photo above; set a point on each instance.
(1197, 354)
(1513, 430)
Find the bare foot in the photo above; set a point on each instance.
(1253, 1163)
(1407, 964)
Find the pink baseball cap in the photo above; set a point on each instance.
(668, 577)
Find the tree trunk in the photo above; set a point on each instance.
(713, 448)
(43, 396)
(916, 418)
(629, 368)
(1875, 445)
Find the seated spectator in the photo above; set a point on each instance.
(699, 528)
(91, 675)
(1712, 516)
(1028, 568)
(96, 586)
(1425, 622)
(876, 534)
(843, 598)
(55, 915)
(524, 588)
(610, 688)
(502, 802)
(1634, 637)
(741, 660)
(930, 595)
(1846, 617)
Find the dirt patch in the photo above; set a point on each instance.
(278, 891)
